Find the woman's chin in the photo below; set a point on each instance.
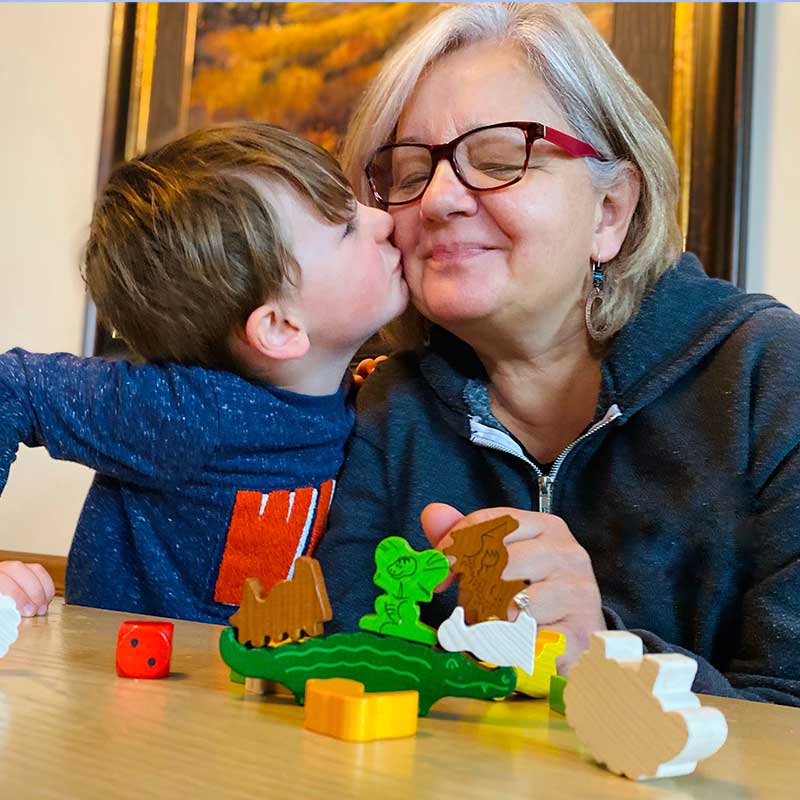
(454, 311)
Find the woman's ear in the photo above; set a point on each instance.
(614, 213)
(276, 332)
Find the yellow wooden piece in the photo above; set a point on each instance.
(549, 646)
(340, 708)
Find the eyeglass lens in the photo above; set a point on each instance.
(486, 159)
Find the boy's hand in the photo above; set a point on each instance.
(28, 585)
(365, 369)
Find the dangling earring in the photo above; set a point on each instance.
(595, 299)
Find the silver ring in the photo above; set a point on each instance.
(522, 601)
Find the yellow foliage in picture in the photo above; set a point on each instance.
(300, 65)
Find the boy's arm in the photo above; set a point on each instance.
(136, 423)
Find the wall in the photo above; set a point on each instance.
(52, 83)
(774, 214)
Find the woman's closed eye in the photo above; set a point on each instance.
(497, 169)
(411, 181)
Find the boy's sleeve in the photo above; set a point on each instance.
(359, 518)
(143, 424)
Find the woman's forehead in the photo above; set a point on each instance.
(477, 85)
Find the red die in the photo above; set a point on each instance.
(144, 649)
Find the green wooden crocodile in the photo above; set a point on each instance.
(382, 664)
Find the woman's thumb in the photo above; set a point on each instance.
(437, 519)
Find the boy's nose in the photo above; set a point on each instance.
(383, 222)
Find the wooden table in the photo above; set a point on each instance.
(70, 728)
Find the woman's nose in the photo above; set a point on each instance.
(446, 195)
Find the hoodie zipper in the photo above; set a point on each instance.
(494, 439)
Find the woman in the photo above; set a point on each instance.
(640, 420)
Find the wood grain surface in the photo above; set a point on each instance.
(70, 728)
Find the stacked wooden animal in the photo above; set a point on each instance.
(393, 658)
(506, 644)
(637, 714)
(408, 578)
(480, 558)
(479, 623)
(293, 607)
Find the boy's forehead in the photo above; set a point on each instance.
(294, 211)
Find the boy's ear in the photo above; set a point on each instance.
(276, 332)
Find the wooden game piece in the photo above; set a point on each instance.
(257, 686)
(555, 697)
(292, 607)
(408, 577)
(9, 623)
(549, 646)
(505, 644)
(382, 664)
(480, 558)
(144, 649)
(340, 708)
(638, 714)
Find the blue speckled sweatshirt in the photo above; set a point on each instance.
(687, 500)
(203, 478)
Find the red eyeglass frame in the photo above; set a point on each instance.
(533, 131)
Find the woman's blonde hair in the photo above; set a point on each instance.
(601, 102)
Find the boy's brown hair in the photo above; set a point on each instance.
(182, 246)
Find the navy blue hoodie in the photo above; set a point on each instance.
(685, 492)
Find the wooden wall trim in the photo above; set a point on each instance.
(55, 565)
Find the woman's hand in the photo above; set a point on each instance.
(563, 593)
(28, 585)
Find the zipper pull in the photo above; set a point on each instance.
(545, 490)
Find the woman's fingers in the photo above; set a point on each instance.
(546, 603)
(533, 524)
(530, 560)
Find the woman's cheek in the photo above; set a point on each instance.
(405, 234)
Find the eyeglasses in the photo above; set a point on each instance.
(483, 159)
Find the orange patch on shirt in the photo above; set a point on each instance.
(264, 544)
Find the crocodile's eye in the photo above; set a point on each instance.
(451, 663)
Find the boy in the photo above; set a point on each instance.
(237, 264)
